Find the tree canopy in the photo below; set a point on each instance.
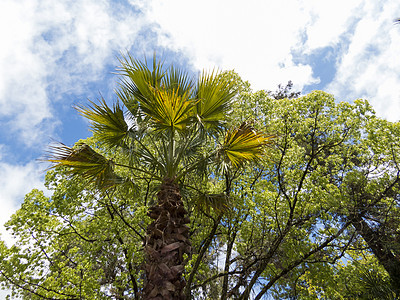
(317, 216)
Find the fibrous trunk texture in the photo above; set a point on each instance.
(166, 243)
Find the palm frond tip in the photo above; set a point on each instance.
(108, 124)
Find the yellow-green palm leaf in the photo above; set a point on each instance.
(139, 80)
(108, 124)
(170, 109)
(214, 94)
(85, 162)
(163, 96)
(218, 202)
(244, 144)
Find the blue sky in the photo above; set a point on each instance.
(55, 54)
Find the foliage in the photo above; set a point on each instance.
(284, 92)
(304, 222)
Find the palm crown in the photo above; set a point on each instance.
(166, 109)
(168, 120)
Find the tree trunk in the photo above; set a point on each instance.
(166, 242)
(379, 247)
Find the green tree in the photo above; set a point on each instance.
(284, 92)
(373, 192)
(295, 223)
(78, 244)
(171, 117)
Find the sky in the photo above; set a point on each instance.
(56, 54)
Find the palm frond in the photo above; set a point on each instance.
(85, 162)
(150, 157)
(375, 286)
(243, 144)
(108, 124)
(218, 202)
(139, 80)
(126, 97)
(164, 97)
(170, 110)
(178, 80)
(188, 148)
(215, 94)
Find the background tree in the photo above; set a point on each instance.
(295, 220)
(284, 92)
(78, 244)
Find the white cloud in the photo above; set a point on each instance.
(257, 39)
(53, 47)
(328, 20)
(56, 47)
(370, 67)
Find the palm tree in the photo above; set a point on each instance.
(374, 285)
(168, 119)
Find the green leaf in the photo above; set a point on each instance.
(108, 124)
(215, 94)
(170, 109)
(219, 202)
(244, 144)
(139, 80)
(84, 161)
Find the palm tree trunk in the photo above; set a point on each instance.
(166, 242)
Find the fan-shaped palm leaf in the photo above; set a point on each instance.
(107, 124)
(84, 161)
(375, 286)
(163, 96)
(215, 94)
(218, 202)
(169, 110)
(244, 144)
(140, 81)
(179, 80)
